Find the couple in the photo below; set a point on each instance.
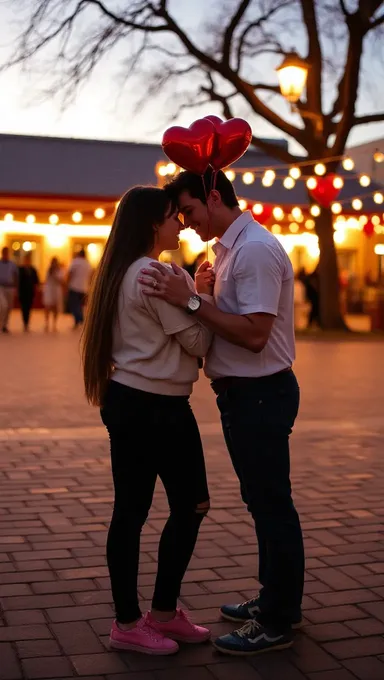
(146, 327)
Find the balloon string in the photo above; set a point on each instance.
(209, 219)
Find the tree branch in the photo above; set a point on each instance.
(229, 31)
(314, 56)
(369, 118)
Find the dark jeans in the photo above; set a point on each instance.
(257, 417)
(152, 435)
(26, 306)
(75, 305)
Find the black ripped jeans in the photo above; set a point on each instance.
(152, 435)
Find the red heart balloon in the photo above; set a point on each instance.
(233, 138)
(325, 193)
(369, 228)
(190, 148)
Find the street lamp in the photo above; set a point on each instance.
(292, 74)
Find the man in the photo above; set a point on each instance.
(8, 285)
(249, 364)
(28, 282)
(79, 277)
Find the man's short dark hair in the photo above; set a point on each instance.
(81, 253)
(194, 184)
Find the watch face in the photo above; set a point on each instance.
(194, 303)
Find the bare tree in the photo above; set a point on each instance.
(217, 63)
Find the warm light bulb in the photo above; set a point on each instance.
(310, 224)
(348, 163)
(375, 219)
(289, 183)
(8, 217)
(248, 178)
(294, 227)
(312, 183)
(170, 168)
(266, 182)
(162, 170)
(339, 236)
(242, 204)
(315, 210)
(77, 216)
(365, 180)
(257, 208)
(336, 208)
(357, 204)
(378, 197)
(295, 172)
(378, 156)
(231, 175)
(53, 219)
(320, 169)
(99, 213)
(278, 213)
(296, 213)
(30, 219)
(27, 246)
(270, 174)
(338, 182)
(276, 229)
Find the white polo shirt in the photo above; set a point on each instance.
(253, 274)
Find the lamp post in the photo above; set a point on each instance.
(292, 74)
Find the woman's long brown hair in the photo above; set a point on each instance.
(132, 236)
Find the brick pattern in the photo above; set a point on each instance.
(55, 504)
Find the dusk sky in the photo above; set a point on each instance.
(97, 111)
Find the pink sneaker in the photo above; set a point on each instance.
(181, 628)
(142, 638)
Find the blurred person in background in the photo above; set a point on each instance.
(79, 278)
(28, 283)
(8, 287)
(53, 293)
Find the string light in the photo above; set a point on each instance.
(295, 172)
(320, 169)
(336, 208)
(27, 246)
(268, 178)
(8, 217)
(289, 183)
(310, 224)
(312, 183)
(99, 213)
(378, 197)
(278, 213)
(297, 213)
(257, 208)
(77, 216)
(294, 227)
(365, 180)
(339, 237)
(378, 156)
(53, 219)
(276, 229)
(338, 182)
(315, 210)
(375, 219)
(270, 174)
(357, 204)
(248, 178)
(363, 219)
(242, 204)
(231, 175)
(162, 170)
(30, 219)
(348, 163)
(170, 168)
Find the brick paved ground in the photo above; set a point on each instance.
(55, 495)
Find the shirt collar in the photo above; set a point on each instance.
(234, 230)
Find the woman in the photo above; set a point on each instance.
(140, 358)
(53, 293)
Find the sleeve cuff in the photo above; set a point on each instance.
(257, 309)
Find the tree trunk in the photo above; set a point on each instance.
(331, 317)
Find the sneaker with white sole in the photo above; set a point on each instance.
(181, 628)
(253, 638)
(142, 638)
(240, 613)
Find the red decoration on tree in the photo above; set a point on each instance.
(264, 215)
(325, 193)
(190, 148)
(369, 228)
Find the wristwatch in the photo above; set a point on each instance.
(194, 304)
